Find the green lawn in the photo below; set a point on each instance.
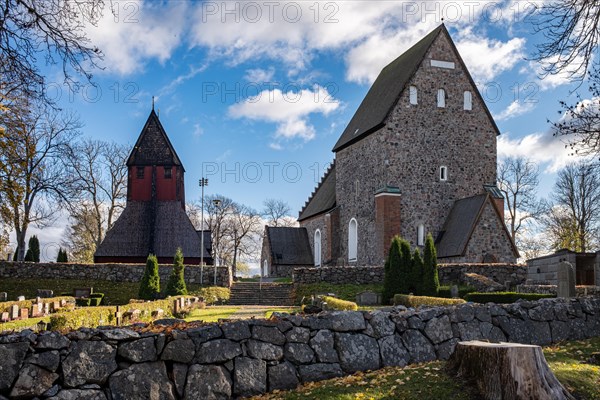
(429, 381)
(211, 314)
(344, 292)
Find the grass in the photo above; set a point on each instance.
(345, 292)
(429, 381)
(211, 314)
(115, 293)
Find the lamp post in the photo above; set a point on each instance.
(202, 182)
(217, 204)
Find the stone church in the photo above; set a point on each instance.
(417, 157)
(154, 219)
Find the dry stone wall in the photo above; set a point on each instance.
(108, 272)
(248, 357)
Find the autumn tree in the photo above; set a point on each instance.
(518, 179)
(277, 213)
(33, 184)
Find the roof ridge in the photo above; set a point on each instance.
(316, 189)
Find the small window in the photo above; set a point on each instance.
(414, 100)
(168, 172)
(421, 235)
(317, 248)
(140, 172)
(468, 101)
(441, 98)
(352, 240)
(443, 173)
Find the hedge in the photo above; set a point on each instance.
(505, 297)
(5, 306)
(338, 304)
(415, 301)
(213, 294)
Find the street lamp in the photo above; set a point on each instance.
(217, 204)
(202, 182)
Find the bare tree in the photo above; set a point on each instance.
(518, 179)
(100, 184)
(580, 123)
(244, 227)
(277, 213)
(571, 31)
(33, 182)
(51, 30)
(574, 220)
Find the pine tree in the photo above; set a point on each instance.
(34, 247)
(62, 256)
(417, 273)
(28, 255)
(431, 282)
(176, 285)
(392, 271)
(150, 284)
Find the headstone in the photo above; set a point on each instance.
(24, 313)
(4, 317)
(135, 314)
(565, 276)
(63, 303)
(37, 310)
(38, 300)
(454, 292)
(46, 308)
(176, 308)
(21, 298)
(158, 313)
(45, 293)
(3, 296)
(55, 306)
(14, 311)
(368, 299)
(118, 316)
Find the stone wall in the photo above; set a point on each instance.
(448, 273)
(108, 272)
(581, 291)
(249, 357)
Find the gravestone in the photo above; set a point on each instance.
(368, 299)
(4, 317)
(565, 275)
(14, 311)
(46, 308)
(24, 313)
(3, 296)
(454, 291)
(37, 310)
(21, 298)
(45, 293)
(55, 306)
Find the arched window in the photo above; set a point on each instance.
(421, 235)
(468, 101)
(352, 240)
(317, 248)
(414, 100)
(265, 268)
(443, 173)
(441, 98)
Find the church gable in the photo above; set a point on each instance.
(153, 146)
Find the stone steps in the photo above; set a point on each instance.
(267, 294)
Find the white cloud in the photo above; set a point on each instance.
(259, 75)
(198, 131)
(543, 148)
(138, 31)
(515, 109)
(551, 81)
(289, 110)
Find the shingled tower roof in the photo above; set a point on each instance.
(153, 146)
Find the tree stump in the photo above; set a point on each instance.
(507, 371)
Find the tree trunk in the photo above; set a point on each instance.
(503, 371)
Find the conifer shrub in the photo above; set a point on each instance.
(416, 276)
(150, 284)
(176, 284)
(62, 256)
(34, 248)
(391, 279)
(431, 282)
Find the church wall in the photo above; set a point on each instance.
(312, 224)
(140, 189)
(408, 153)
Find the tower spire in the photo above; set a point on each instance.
(152, 103)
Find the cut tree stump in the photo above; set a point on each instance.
(507, 371)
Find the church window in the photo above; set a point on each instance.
(140, 172)
(413, 95)
(168, 172)
(468, 101)
(317, 248)
(441, 98)
(420, 235)
(352, 240)
(443, 173)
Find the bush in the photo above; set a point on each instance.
(88, 318)
(415, 301)
(337, 304)
(444, 291)
(505, 297)
(96, 299)
(62, 256)
(150, 284)
(83, 302)
(33, 253)
(393, 278)
(176, 285)
(213, 294)
(431, 281)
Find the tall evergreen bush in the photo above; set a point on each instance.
(431, 282)
(150, 284)
(34, 247)
(176, 284)
(392, 271)
(416, 277)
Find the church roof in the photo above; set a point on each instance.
(289, 246)
(387, 88)
(153, 146)
(144, 228)
(323, 198)
(460, 224)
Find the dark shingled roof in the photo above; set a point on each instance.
(289, 246)
(153, 146)
(323, 198)
(132, 233)
(389, 85)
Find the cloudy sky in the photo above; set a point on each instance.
(254, 95)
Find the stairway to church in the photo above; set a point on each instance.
(267, 294)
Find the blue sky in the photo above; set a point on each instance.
(257, 93)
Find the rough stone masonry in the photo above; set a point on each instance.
(242, 358)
